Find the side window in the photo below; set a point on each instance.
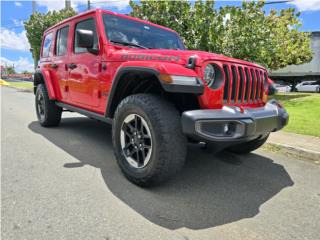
(62, 41)
(86, 25)
(47, 45)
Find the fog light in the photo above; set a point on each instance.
(226, 128)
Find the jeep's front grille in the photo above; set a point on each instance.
(243, 84)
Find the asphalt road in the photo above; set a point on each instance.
(63, 183)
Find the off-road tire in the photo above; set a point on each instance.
(51, 115)
(248, 147)
(169, 145)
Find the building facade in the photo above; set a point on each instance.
(304, 72)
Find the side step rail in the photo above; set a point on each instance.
(87, 113)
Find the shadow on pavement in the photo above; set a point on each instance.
(211, 190)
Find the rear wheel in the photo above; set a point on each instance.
(148, 141)
(248, 147)
(48, 113)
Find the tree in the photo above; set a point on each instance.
(10, 70)
(38, 23)
(244, 32)
(191, 22)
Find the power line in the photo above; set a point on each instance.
(277, 2)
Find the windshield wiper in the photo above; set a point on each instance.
(129, 44)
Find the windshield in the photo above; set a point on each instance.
(137, 34)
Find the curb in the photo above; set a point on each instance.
(4, 83)
(298, 151)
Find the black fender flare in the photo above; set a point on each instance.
(196, 89)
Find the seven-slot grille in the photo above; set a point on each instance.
(243, 84)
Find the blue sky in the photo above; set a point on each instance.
(15, 47)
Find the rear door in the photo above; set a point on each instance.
(59, 63)
(84, 69)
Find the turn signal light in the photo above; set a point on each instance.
(165, 78)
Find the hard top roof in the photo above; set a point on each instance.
(108, 12)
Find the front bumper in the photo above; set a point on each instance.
(233, 124)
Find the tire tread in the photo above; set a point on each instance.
(171, 142)
(53, 112)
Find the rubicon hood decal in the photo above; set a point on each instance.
(150, 57)
(173, 56)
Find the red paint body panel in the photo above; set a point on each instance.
(49, 83)
(88, 85)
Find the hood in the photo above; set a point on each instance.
(173, 56)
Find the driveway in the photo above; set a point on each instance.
(64, 183)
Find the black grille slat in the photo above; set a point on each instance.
(241, 84)
(258, 85)
(262, 84)
(234, 82)
(226, 83)
(246, 96)
(253, 84)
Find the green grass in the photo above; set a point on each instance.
(28, 85)
(304, 112)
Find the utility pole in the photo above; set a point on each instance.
(89, 5)
(34, 5)
(67, 4)
(35, 63)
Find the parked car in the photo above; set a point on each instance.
(309, 86)
(139, 77)
(282, 88)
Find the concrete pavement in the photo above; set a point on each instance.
(63, 183)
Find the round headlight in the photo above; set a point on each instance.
(209, 74)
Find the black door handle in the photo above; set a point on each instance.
(72, 65)
(53, 65)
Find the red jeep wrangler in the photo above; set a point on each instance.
(158, 96)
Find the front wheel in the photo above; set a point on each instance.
(48, 113)
(147, 138)
(248, 147)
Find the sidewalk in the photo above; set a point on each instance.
(303, 145)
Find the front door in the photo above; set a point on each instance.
(84, 68)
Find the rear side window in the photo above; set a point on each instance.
(86, 25)
(62, 41)
(47, 45)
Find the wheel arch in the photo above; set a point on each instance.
(131, 80)
(43, 77)
(126, 83)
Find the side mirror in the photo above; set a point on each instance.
(85, 40)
